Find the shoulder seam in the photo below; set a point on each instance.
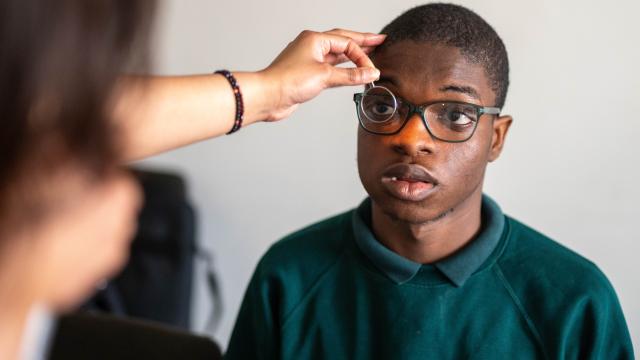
(521, 309)
(309, 291)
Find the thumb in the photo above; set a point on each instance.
(352, 76)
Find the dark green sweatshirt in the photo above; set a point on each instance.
(332, 291)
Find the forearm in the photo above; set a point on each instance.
(155, 114)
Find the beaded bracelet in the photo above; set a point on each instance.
(237, 124)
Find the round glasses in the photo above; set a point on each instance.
(381, 112)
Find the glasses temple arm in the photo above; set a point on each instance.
(490, 110)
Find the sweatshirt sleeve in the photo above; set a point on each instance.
(255, 335)
(597, 329)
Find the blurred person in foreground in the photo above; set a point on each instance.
(69, 117)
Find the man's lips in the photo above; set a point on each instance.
(410, 173)
(408, 182)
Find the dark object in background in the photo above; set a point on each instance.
(157, 282)
(97, 337)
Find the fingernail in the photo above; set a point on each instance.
(374, 73)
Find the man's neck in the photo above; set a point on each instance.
(431, 241)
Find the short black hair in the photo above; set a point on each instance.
(456, 26)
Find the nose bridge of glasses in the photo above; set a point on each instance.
(415, 119)
(407, 110)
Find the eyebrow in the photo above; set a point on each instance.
(468, 90)
(463, 89)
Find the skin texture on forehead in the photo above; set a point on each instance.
(428, 63)
(422, 73)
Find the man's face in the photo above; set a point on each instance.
(392, 167)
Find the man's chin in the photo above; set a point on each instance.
(414, 213)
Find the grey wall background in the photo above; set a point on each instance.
(570, 167)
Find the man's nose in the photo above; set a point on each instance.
(414, 139)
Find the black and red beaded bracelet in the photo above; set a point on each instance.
(237, 124)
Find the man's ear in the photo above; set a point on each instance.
(500, 128)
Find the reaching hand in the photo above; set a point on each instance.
(308, 65)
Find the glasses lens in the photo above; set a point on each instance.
(378, 104)
(452, 121)
(379, 111)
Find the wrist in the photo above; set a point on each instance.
(271, 91)
(261, 95)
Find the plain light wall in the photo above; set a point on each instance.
(569, 169)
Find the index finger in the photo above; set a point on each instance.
(336, 44)
(360, 38)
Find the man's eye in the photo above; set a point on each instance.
(381, 109)
(458, 115)
(458, 118)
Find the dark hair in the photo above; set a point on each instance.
(59, 65)
(456, 26)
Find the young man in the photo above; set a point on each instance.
(428, 267)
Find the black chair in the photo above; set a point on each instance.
(144, 312)
(157, 282)
(97, 336)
